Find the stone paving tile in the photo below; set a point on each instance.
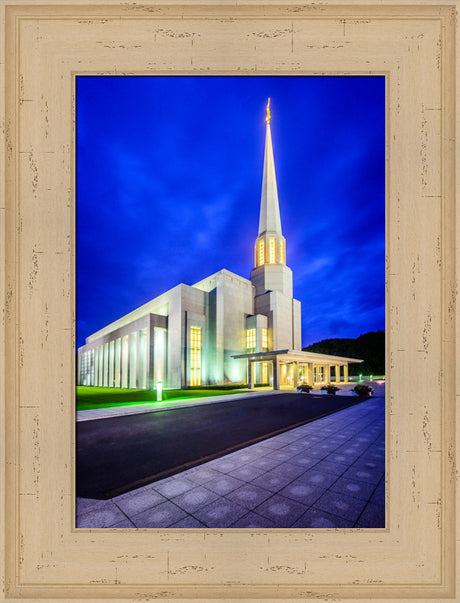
(83, 505)
(220, 514)
(174, 486)
(101, 517)
(356, 489)
(188, 522)
(343, 459)
(294, 448)
(201, 474)
(272, 482)
(304, 460)
(138, 501)
(252, 520)
(368, 465)
(161, 516)
(265, 462)
(289, 470)
(373, 516)
(363, 475)
(298, 490)
(326, 466)
(281, 510)
(315, 518)
(246, 473)
(124, 523)
(248, 454)
(279, 455)
(318, 478)
(318, 454)
(249, 495)
(226, 465)
(193, 499)
(225, 484)
(379, 495)
(338, 504)
(272, 444)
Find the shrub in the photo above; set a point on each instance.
(331, 389)
(363, 390)
(304, 388)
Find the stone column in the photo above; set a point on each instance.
(276, 374)
(345, 373)
(111, 363)
(327, 370)
(250, 374)
(337, 373)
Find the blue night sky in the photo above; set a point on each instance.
(169, 174)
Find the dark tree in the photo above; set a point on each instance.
(369, 347)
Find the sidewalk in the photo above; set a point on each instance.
(325, 474)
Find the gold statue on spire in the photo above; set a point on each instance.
(267, 119)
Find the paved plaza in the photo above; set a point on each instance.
(329, 473)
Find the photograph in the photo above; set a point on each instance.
(230, 301)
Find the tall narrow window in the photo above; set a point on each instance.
(272, 251)
(261, 258)
(282, 254)
(264, 340)
(264, 373)
(251, 340)
(195, 355)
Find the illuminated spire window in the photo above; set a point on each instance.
(272, 251)
(195, 356)
(282, 253)
(261, 253)
(250, 340)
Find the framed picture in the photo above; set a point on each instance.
(47, 47)
(196, 275)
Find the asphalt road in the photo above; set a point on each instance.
(122, 453)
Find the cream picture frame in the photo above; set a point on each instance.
(46, 45)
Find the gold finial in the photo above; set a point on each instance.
(267, 119)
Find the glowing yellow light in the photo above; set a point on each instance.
(261, 253)
(282, 258)
(251, 340)
(272, 251)
(267, 119)
(264, 340)
(195, 355)
(264, 372)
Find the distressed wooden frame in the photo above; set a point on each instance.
(46, 44)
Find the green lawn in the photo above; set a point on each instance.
(103, 397)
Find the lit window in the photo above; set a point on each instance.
(272, 251)
(261, 253)
(251, 340)
(195, 356)
(282, 258)
(264, 373)
(264, 340)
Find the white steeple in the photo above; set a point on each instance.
(269, 219)
(270, 247)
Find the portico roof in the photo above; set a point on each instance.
(298, 356)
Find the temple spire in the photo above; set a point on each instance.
(269, 219)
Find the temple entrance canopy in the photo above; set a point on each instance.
(287, 369)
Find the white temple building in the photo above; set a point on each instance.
(225, 329)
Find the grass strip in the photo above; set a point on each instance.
(88, 398)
